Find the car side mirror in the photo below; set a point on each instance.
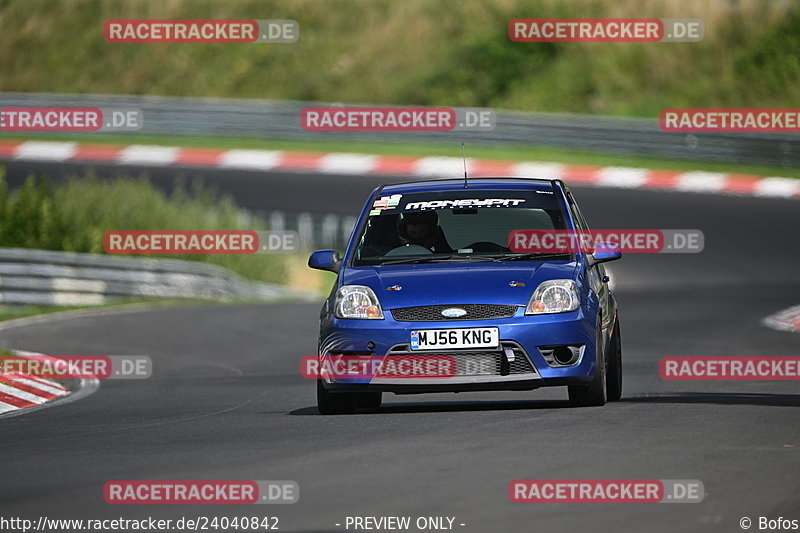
(604, 253)
(325, 260)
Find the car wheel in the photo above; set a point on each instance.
(614, 374)
(331, 403)
(595, 393)
(369, 400)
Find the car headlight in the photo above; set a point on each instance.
(357, 301)
(554, 296)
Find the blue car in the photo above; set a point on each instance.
(430, 274)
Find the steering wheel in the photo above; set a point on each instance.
(408, 249)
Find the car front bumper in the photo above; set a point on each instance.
(526, 335)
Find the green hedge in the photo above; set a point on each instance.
(74, 216)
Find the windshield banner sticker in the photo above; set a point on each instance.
(469, 202)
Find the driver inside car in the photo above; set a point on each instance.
(422, 229)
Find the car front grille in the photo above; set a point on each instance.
(476, 362)
(433, 313)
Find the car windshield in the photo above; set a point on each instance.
(463, 225)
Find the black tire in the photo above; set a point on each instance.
(614, 372)
(369, 400)
(595, 393)
(334, 403)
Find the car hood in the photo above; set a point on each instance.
(457, 283)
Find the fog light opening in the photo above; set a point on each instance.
(563, 355)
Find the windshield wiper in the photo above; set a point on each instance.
(440, 259)
(533, 255)
(408, 261)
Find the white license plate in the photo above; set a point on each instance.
(436, 339)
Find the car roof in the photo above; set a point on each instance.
(457, 184)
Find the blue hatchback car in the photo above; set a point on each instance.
(429, 273)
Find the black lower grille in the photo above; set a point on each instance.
(433, 313)
(477, 362)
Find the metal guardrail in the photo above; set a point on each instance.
(314, 230)
(281, 120)
(43, 277)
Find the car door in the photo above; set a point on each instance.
(596, 274)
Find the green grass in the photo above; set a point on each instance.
(419, 52)
(12, 312)
(9, 312)
(511, 153)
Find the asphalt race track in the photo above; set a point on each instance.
(226, 400)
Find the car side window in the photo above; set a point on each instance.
(576, 213)
(583, 226)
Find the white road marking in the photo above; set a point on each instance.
(140, 154)
(775, 186)
(6, 407)
(52, 389)
(533, 169)
(46, 151)
(785, 320)
(251, 159)
(21, 394)
(440, 167)
(625, 177)
(698, 181)
(348, 163)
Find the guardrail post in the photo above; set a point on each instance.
(277, 221)
(305, 231)
(330, 225)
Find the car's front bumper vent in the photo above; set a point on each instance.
(477, 362)
(433, 313)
